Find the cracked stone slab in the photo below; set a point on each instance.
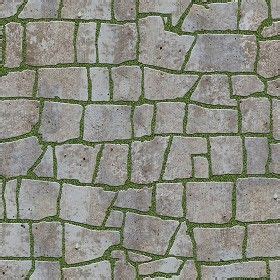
(123, 270)
(45, 168)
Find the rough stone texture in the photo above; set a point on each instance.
(63, 83)
(115, 219)
(216, 16)
(245, 85)
(9, 8)
(209, 202)
(100, 84)
(14, 269)
(201, 167)
(46, 270)
(273, 87)
(274, 166)
(274, 267)
(138, 258)
(257, 199)
(125, 9)
(219, 244)
(211, 53)
(86, 205)
(45, 168)
(275, 9)
(276, 118)
(123, 270)
(142, 120)
(10, 198)
(272, 30)
(49, 43)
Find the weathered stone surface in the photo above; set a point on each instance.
(76, 161)
(274, 267)
(148, 234)
(14, 269)
(216, 16)
(219, 244)
(100, 84)
(82, 244)
(86, 205)
(125, 9)
(10, 197)
(201, 167)
(147, 159)
(46, 270)
(60, 121)
(274, 166)
(17, 117)
(84, 9)
(213, 90)
(226, 155)
(139, 199)
(162, 48)
(47, 239)
(17, 157)
(273, 87)
(14, 34)
(263, 240)
(15, 240)
(245, 85)
(209, 202)
(45, 168)
(253, 13)
(276, 118)
(169, 199)
(107, 123)
(9, 8)
(64, 83)
(17, 84)
(255, 114)
(257, 199)
(167, 265)
(269, 59)
(142, 120)
(38, 199)
(86, 38)
(253, 269)
(159, 85)
(126, 83)
(138, 258)
(272, 30)
(179, 164)
(37, 9)
(117, 43)
(49, 43)
(113, 165)
(182, 245)
(211, 53)
(169, 117)
(257, 154)
(115, 219)
(2, 206)
(100, 270)
(275, 9)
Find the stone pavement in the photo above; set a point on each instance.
(140, 139)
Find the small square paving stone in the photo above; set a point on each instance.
(125, 9)
(201, 167)
(107, 123)
(49, 43)
(100, 84)
(46, 270)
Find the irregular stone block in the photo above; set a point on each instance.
(46, 270)
(209, 202)
(9, 8)
(255, 114)
(14, 269)
(17, 157)
(204, 120)
(64, 83)
(219, 244)
(148, 234)
(86, 38)
(153, 47)
(169, 199)
(17, 117)
(117, 43)
(82, 244)
(60, 121)
(15, 240)
(201, 167)
(272, 30)
(76, 161)
(147, 159)
(216, 16)
(126, 83)
(139, 199)
(107, 123)
(125, 9)
(123, 270)
(274, 166)
(17, 84)
(257, 199)
(245, 85)
(45, 168)
(115, 219)
(14, 35)
(100, 84)
(226, 155)
(86, 205)
(138, 258)
(10, 197)
(212, 53)
(38, 199)
(273, 87)
(47, 239)
(159, 85)
(257, 154)
(113, 165)
(263, 240)
(49, 43)
(142, 120)
(276, 119)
